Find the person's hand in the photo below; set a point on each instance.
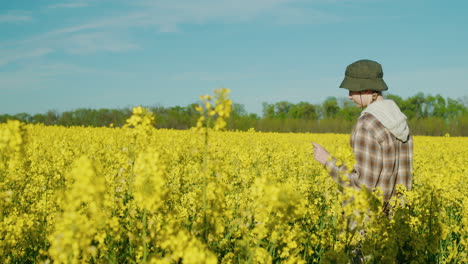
(320, 153)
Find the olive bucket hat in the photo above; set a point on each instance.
(364, 75)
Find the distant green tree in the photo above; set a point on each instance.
(238, 110)
(240, 119)
(177, 117)
(5, 117)
(282, 109)
(67, 119)
(438, 106)
(413, 107)
(397, 99)
(268, 110)
(253, 116)
(330, 107)
(38, 118)
(303, 110)
(51, 117)
(455, 108)
(427, 115)
(463, 101)
(348, 111)
(23, 117)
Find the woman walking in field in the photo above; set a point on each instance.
(381, 141)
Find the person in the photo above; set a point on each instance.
(381, 140)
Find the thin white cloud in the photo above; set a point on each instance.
(113, 33)
(15, 17)
(69, 5)
(108, 23)
(24, 79)
(167, 16)
(87, 43)
(208, 76)
(33, 76)
(72, 43)
(295, 16)
(9, 56)
(170, 14)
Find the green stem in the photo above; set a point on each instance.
(145, 245)
(46, 224)
(132, 157)
(205, 158)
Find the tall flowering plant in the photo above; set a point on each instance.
(215, 109)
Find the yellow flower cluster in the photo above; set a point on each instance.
(220, 107)
(114, 195)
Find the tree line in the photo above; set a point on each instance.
(427, 115)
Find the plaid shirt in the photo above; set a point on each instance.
(382, 161)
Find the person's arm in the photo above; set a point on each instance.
(368, 156)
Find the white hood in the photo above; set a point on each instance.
(389, 114)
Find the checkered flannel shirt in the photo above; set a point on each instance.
(382, 161)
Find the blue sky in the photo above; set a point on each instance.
(64, 55)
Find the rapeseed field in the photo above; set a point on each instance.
(142, 195)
